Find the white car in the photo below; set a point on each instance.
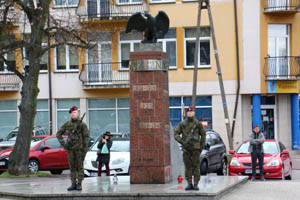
(119, 158)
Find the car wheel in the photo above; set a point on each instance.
(56, 171)
(203, 168)
(34, 165)
(282, 173)
(223, 170)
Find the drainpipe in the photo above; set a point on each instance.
(49, 80)
(237, 68)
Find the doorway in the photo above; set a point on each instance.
(268, 121)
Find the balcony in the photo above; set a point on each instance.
(104, 10)
(282, 68)
(102, 75)
(281, 6)
(9, 82)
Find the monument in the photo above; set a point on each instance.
(150, 159)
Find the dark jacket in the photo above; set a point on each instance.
(104, 158)
(258, 142)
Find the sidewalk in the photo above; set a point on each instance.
(211, 187)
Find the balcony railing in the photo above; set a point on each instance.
(104, 10)
(102, 75)
(9, 82)
(282, 68)
(282, 6)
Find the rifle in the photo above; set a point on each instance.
(69, 144)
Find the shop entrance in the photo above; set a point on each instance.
(268, 121)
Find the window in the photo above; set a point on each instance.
(215, 139)
(42, 114)
(10, 57)
(204, 47)
(162, 1)
(108, 115)
(278, 50)
(62, 110)
(65, 3)
(43, 61)
(129, 1)
(52, 142)
(66, 55)
(129, 42)
(99, 58)
(203, 113)
(8, 116)
(169, 46)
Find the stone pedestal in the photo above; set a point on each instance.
(149, 116)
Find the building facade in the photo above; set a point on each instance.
(264, 85)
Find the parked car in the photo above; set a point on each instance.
(119, 158)
(277, 161)
(10, 140)
(46, 153)
(213, 158)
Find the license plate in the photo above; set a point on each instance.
(249, 171)
(93, 173)
(2, 163)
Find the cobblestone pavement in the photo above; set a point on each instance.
(268, 190)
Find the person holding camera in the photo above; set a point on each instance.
(256, 140)
(76, 146)
(191, 135)
(103, 153)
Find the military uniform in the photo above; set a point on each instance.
(77, 147)
(191, 135)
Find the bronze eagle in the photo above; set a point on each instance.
(153, 27)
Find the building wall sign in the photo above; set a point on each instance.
(283, 87)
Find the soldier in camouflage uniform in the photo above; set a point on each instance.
(191, 135)
(76, 146)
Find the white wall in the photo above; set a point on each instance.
(251, 47)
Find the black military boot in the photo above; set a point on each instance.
(78, 186)
(72, 187)
(196, 187)
(189, 187)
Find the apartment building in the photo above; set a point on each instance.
(97, 80)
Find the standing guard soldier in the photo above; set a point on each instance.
(76, 145)
(191, 135)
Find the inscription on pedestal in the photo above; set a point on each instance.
(146, 105)
(144, 88)
(149, 125)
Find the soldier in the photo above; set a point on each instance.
(76, 146)
(191, 135)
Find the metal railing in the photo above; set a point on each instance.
(104, 10)
(9, 82)
(282, 6)
(101, 74)
(282, 68)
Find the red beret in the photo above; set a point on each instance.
(191, 108)
(73, 109)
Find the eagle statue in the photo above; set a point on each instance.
(153, 27)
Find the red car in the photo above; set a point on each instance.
(277, 161)
(46, 153)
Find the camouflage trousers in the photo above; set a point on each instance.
(191, 161)
(76, 158)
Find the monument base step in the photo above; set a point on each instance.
(210, 187)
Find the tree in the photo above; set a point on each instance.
(32, 22)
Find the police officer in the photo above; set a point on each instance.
(76, 146)
(191, 135)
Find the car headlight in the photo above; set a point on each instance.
(4, 157)
(273, 163)
(118, 161)
(235, 162)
